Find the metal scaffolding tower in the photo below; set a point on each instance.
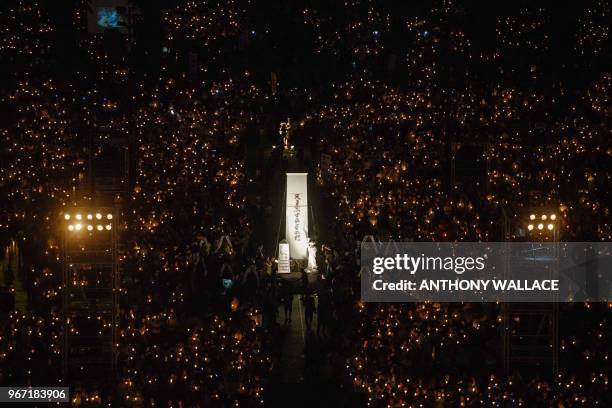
(531, 330)
(530, 341)
(90, 293)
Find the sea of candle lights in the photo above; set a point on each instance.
(386, 356)
(186, 341)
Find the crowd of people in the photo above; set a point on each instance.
(430, 133)
(402, 169)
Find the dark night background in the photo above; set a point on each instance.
(415, 120)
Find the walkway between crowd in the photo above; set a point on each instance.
(292, 355)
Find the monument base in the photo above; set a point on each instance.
(298, 265)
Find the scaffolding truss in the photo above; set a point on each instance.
(90, 272)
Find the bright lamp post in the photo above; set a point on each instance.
(541, 226)
(90, 270)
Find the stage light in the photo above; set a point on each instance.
(530, 227)
(553, 216)
(540, 226)
(544, 217)
(532, 217)
(79, 223)
(550, 227)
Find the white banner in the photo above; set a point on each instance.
(283, 257)
(296, 219)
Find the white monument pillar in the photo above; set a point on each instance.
(296, 218)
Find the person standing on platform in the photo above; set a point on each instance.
(309, 309)
(287, 302)
(304, 280)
